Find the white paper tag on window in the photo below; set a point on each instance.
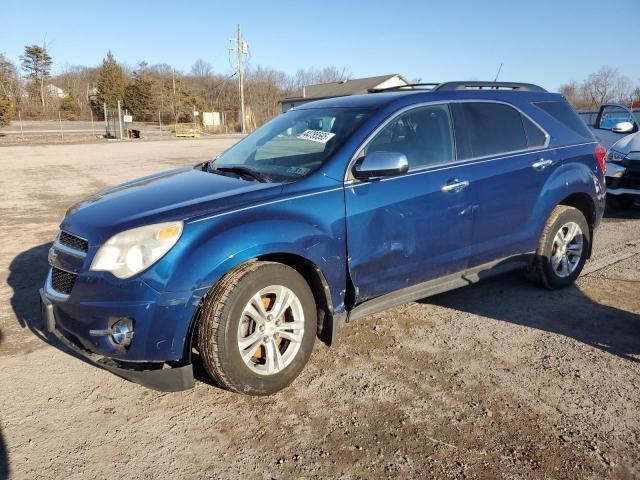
(316, 136)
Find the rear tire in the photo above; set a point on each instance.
(562, 249)
(257, 328)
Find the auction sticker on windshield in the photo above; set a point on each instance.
(316, 136)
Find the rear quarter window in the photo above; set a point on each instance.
(535, 136)
(562, 111)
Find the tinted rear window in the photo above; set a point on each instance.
(484, 128)
(563, 112)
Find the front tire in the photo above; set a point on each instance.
(562, 249)
(257, 328)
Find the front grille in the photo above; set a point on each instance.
(74, 242)
(62, 281)
(630, 183)
(631, 179)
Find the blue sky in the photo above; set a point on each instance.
(541, 41)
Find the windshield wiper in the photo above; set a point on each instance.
(244, 171)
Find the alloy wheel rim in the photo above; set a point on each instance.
(271, 329)
(567, 249)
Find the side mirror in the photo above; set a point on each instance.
(381, 164)
(623, 127)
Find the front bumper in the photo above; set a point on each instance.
(169, 379)
(622, 180)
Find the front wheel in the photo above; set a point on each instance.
(562, 249)
(257, 328)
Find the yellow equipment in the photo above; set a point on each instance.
(188, 130)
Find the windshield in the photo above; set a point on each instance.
(293, 144)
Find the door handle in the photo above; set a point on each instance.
(455, 186)
(542, 164)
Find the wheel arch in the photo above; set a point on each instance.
(319, 287)
(328, 321)
(583, 202)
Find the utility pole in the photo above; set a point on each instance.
(120, 120)
(107, 134)
(173, 100)
(241, 49)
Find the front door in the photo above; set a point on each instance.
(414, 227)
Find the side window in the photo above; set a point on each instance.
(422, 134)
(486, 128)
(613, 115)
(535, 136)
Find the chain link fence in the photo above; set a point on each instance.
(108, 123)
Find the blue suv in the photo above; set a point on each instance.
(330, 212)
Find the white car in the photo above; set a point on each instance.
(623, 171)
(612, 123)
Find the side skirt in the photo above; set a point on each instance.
(439, 285)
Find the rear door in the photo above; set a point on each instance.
(508, 168)
(407, 229)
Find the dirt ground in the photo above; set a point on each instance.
(498, 380)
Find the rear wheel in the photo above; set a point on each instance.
(257, 328)
(562, 249)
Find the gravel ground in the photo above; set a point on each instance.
(498, 380)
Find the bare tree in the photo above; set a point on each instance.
(201, 69)
(575, 94)
(78, 83)
(310, 76)
(606, 85)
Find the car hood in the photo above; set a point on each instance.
(177, 194)
(630, 143)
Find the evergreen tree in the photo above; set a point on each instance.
(8, 77)
(139, 96)
(36, 62)
(112, 82)
(7, 111)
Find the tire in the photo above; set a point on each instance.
(620, 202)
(231, 315)
(545, 269)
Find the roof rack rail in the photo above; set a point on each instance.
(524, 87)
(410, 86)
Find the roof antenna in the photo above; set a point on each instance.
(497, 74)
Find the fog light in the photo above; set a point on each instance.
(122, 332)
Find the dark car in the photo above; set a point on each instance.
(330, 212)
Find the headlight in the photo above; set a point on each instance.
(614, 156)
(132, 251)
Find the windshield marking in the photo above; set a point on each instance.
(319, 136)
